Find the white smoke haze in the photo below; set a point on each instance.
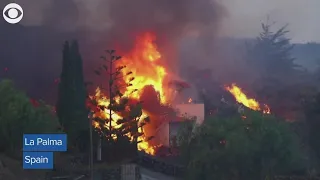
(246, 16)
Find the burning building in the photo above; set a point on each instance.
(144, 45)
(151, 85)
(169, 129)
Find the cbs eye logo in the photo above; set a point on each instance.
(12, 13)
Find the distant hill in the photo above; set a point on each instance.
(308, 55)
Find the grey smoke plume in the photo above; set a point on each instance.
(99, 25)
(121, 20)
(118, 22)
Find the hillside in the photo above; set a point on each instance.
(308, 55)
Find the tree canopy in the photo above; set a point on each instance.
(71, 103)
(271, 52)
(277, 76)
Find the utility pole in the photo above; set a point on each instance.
(91, 146)
(99, 148)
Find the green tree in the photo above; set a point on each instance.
(232, 148)
(118, 134)
(18, 116)
(71, 107)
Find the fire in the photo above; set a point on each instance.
(102, 100)
(190, 100)
(242, 98)
(144, 63)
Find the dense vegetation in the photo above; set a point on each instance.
(258, 147)
(19, 115)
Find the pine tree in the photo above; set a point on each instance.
(276, 71)
(71, 107)
(127, 131)
(271, 52)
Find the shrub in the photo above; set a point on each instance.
(19, 115)
(258, 147)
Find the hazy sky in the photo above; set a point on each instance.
(244, 16)
(303, 17)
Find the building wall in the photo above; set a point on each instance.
(174, 128)
(163, 134)
(170, 129)
(196, 110)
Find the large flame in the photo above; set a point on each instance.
(242, 98)
(143, 62)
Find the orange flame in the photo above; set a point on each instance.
(242, 98)
(143, 62)
(190, 100)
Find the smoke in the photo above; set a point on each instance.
(100, 25)
(123, 15)
(245, 17)
(121, 20)
(118, 22)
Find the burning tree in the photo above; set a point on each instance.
(118, 119)
(150, 85)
